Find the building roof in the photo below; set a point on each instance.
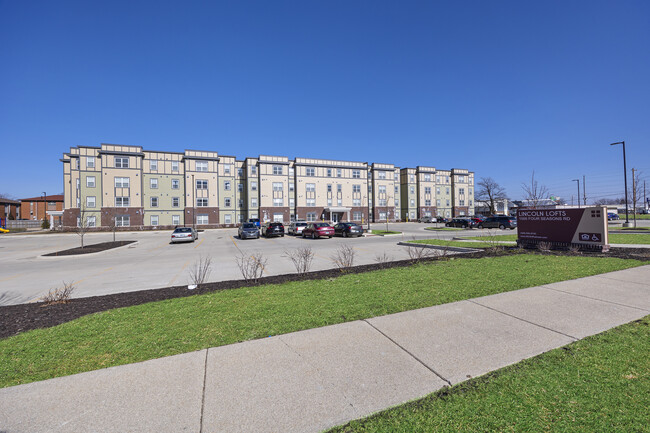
(53, 197)
(4, 200)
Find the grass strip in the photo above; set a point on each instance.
(384, 232)
(436, 229)
(462, 244)
(180, 325)
(614, 238)
(599, 384)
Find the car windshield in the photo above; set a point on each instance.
(183, 230)
(249, 226)
(321, 225)
(300, 224)
(275, 224)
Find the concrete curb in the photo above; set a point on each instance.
(440, 247)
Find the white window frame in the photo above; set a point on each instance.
(122, 221)
(227, 201)
(91, 201)
(153, 183)
(122, 201)
(176, 220)
(201, 184)
(153, 165)
(310, 171)
(277, 170)
(176, 201)
(176, 184)
(90, 162)
(227, 219)
(174, 165)
(153, 201)
(202, 202)
(121, 162)
(154, 220)
(89, 183)
(122, 182)
(202, 219)
(91, 221)
(201, 166)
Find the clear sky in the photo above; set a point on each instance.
(501, 88)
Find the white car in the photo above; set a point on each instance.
(184, 234)
(296, 228)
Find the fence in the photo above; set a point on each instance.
(23, 224)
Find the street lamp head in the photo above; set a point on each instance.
(618, 142)
(575, 180)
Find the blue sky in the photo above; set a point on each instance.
(501, 88)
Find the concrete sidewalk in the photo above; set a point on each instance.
(311, 380)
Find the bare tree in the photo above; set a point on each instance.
(111, 220)
(201, 270)
(636, 193)
(489, 191)
(251, 266)
(83, 224)
(343, 258)
(534, 193)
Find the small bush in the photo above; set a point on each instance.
(383, 258)
(45, 224)
(60, 295)
(251, 267)
(343, 258)
(301, 258)
(200, 272)
(544, 246)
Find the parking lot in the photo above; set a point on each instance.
(152, 262)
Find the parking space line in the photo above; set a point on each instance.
(179, 272)
(157, 248)
(11, 278)
(74, 283)
(200, 242)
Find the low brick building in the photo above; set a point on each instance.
(37, 208)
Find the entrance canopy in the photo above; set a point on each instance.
(335, 211)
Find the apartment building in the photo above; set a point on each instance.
(37, 208)
(128, 186)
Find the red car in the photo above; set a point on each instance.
(318, 230)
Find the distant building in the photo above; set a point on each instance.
(9, 209)
(38, 208)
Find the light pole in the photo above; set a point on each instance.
(627, 218)
(44, 205)
(578, 182)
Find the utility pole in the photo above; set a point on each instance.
(634, 196)
(584, 190)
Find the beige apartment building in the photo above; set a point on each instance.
(127, 186)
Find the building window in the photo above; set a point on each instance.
(412, 189)
(339, 172)
(461, 202)
(329, 187)
(356, 174)
(461, 191)
(226, 202)
(438, 203)
(154, 183)
(201, 184)
(427, 190)
(311, 216)
(411, 178)
(90, 221)
(154, 220)
(253, 186)
(241, 218)
(90, 201)
(310, 187)
(291, 171)
(227, 219)
(396, 177)
(339, 187)
(396, 189)
(412, 202)
(339, 202)
(78, 165)
(122, 221)
(174, 165)
(90, 181)
(396, 202)
(357, 216)
(291, 187)
(240, 202)
(427, 202)
(122, 182)
(437, 190)
(447, 203)
(329, 202)
(122, 201)
(121, 162)
(240, 187)
(153, 165)
(240, 172)
(254, 202)
(90, 162)
(254, 169)
(201, 202)
(447, 190)
(382, 215)
(226, 185)
(277, 186)
(311, 202)
(292, 202)
(278, 202)
(382, 202)
(176, 220)
(202, 219)
(176, 202)
(310, 171)
(176, 184)
(356, 188)
(277, 169)
(154, 201)
(381, 175)
(329, 172)
(427, 178)
(226, 169)
(356, 202)
(201, 166)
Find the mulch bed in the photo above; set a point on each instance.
(15, 319)
(94, 248)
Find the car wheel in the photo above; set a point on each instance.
(502, 227)
(345, 235)
(463, 226)
(282, 235)
(480, 226)
(313, 235)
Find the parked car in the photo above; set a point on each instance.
(427, 220)
(477, 220)
(248, 231)
(318, 230)
(463, 223)
(255, 221)
(502, 222)
(184, 234)
(272, 228)
(442, 220)
(348, 230)
(611, 216)
(296, 227)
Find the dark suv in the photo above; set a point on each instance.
(272, 229)
(463, 223)
(502, 222)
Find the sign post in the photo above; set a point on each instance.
(563, 228)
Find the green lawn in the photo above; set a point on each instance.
(443, 228)
(614, 238)
(462, 244)
(182, 325)
(384, 232)
(599, 384)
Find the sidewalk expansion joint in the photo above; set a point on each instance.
(409, 353)
(205, 377)
(524, 320)
(595, 299)
(621, 281)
